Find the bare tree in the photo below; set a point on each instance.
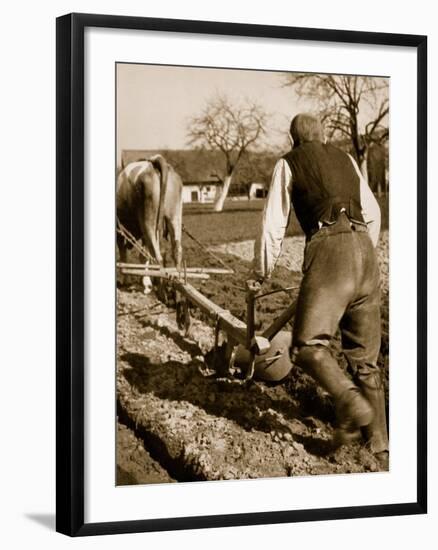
(354, 108)
(231, 129)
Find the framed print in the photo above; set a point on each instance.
(241, 274)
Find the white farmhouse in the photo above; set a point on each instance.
(257, 191)
(199, 171)
(203, 192)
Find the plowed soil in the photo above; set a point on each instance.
(198, 427)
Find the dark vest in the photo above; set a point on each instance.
(324, 182)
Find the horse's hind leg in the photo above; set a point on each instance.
(174, 228)
(151, 244)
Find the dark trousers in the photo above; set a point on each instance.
(341, 289)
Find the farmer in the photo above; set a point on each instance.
(340, 287)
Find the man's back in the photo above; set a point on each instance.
(324, 183)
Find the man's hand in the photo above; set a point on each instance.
(254, 285)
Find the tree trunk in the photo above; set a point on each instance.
(379, 190)
(363, 164)
(219, 204)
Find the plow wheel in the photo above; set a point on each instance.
(272, 366)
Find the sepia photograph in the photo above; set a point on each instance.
(252, 262)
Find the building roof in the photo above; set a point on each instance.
(203, 166)
(194, 166)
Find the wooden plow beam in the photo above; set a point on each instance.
(234, 327)
(163, 273)
(209, 270)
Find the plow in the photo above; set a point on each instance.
(262, 356)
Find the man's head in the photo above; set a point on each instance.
(306, 127)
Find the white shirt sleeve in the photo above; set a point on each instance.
(370, 206)
(267, 247)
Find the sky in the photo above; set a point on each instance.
(155, 103)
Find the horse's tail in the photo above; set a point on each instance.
(160, 164)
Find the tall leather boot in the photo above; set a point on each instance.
(376, 432)
(352, 410)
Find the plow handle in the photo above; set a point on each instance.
(252, 289)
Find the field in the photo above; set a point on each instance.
(240, 219)
(176, 421)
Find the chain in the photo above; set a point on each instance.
(203, 247)
(128, 236)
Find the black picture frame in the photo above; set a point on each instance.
(70, 273)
